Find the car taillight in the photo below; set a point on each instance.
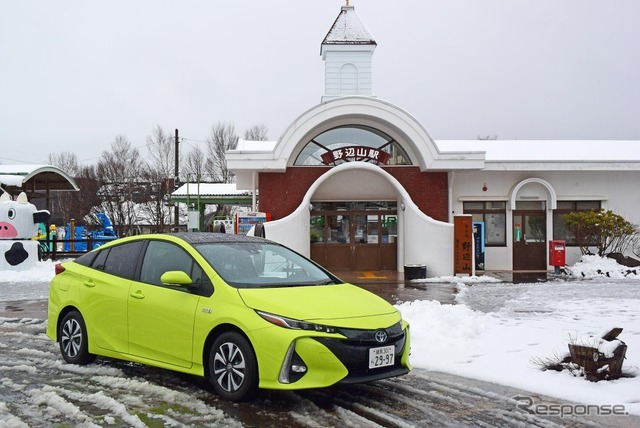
(59, 268)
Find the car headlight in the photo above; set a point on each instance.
(295, 324)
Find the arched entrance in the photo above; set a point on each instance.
(355, 235)
(354, 219)
(532, 201)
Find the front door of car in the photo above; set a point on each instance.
(161, 317)
(161, 323)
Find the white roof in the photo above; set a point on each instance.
(255, 146)
(17, 175)
(210, 189)
(348, 29)
(567, 151)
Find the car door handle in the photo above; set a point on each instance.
(137, 295)
(89, 283)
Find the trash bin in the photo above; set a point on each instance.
(415, 272)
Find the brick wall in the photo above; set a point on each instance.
(282, 193)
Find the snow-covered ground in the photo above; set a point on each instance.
(497, 331)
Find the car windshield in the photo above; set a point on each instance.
(262, 264)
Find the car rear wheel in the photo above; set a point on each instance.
(73, 340)
(233, 370)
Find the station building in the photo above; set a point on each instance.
(357, 183)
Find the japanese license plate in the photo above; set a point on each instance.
(381, 357)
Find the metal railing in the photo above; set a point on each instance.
(53, 248)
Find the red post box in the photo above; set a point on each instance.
(557, 254)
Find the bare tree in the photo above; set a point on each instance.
(257, 133)
(161, 151)
(221, 139)
(62, 203)
(66, 161)
(154, 191)
(119, 171)
(157, 179)
(193, 166)
(86, 200)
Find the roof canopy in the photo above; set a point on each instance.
(35, 178)
(212, 194)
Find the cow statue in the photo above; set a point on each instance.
(18, 225)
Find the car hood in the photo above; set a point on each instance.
(328, 304)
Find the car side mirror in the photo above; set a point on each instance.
(175, 277)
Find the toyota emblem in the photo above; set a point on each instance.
(381, 336)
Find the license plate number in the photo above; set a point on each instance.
(381, 357)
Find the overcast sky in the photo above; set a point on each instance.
(74, 74)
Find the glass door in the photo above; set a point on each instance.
(354, 235)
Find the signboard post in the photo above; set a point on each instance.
(463, 245)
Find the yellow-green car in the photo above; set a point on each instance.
(245, 312)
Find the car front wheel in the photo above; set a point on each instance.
(73, 340)
(233, 370)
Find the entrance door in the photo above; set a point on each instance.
(529, 240)
(356, 238)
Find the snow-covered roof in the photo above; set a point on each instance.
(209, 189)
(255, 146)
(18, 175)
(569, 151)
(348, 29)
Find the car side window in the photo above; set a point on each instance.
(161, 257)
(120, 260)
(201, 281)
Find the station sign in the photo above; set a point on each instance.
(355, 153)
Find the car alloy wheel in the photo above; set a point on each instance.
(232, 367)
(73, 340)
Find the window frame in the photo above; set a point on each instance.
(559, 212)
(483, 212)
(203, 288)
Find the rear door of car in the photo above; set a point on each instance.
(161, 316)
(105, 294)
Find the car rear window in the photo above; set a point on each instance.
(86, 259)
(120, 260)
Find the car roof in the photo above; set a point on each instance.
(208, 237)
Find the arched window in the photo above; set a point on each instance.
(348, 80)
(350, 144)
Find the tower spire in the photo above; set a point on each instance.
(347, 51)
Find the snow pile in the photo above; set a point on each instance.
(41, 272)
(591, 266)
(32, 284)
(497, 331)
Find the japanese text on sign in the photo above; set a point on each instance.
(355, 152)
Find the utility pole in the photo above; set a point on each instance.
(176, 183)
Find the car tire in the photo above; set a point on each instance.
(233, 370)
(74, 344)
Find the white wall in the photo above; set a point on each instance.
(615, 189)
(334, 62)
(421, 240)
